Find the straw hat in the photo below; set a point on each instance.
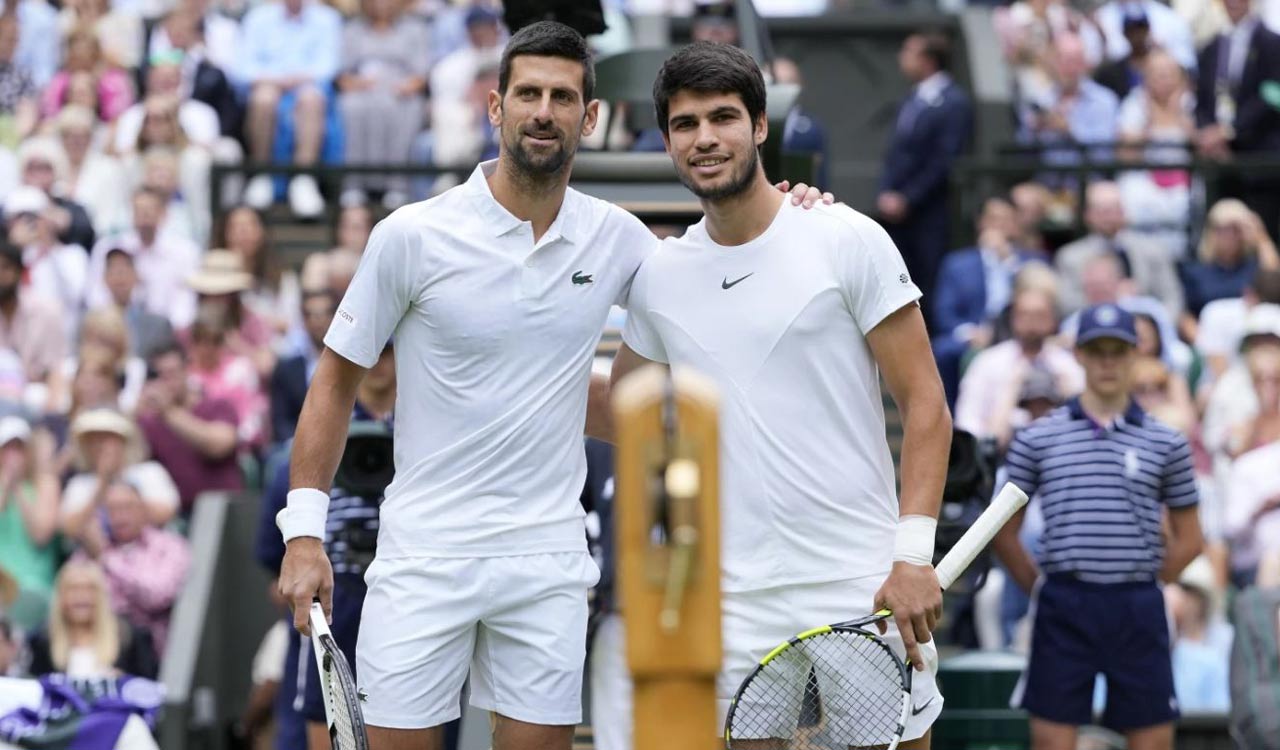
(221, 272)
(112, 422)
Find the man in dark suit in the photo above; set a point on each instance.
(974, 286)
(932, 128)
(292, 375)
(1238, 103)
(1125, 74)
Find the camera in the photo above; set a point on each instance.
(368, 462)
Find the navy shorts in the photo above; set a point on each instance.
(1081, 630)
(348, 600)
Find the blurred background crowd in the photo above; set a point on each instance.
(155, 346)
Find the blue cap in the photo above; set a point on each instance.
(1134, 15)
(479, 15)
(1106, 322)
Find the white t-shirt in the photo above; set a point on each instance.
(494, 337)
(779, 323)
(199, 122)
(151, 479)
(1222, 325)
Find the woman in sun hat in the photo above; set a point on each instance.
(220, 285)
(109, 446)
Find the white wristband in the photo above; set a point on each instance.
(304, 515)
(914, 541)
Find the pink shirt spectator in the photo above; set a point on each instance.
(144, 578)
(115, 94)
(236, 381)
(191, 471)
(992, 375)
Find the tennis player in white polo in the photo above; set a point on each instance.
(496, 292)
(796, 315)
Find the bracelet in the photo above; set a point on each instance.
(304, 514)
(914, 541)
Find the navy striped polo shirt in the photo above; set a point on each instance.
(1101, 490)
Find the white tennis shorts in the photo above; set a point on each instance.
(517, 623)
(755, 622)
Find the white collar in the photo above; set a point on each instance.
(931, 88)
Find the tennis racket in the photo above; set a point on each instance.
(841, 686)
(341, 699)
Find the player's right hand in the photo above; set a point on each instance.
(306, 576)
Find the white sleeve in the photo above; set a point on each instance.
(873, 276)
(78, 494)
(154, 483)
(384, 288)
(1211, 338)
(640, 333)
(1133, 114)
(636, 242)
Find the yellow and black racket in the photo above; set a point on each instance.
(841, 686)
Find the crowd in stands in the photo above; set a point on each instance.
(152, 346)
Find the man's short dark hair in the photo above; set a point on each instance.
(710, 68)
(549, 39)
(937, 47)
(164, 349)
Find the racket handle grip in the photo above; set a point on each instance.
(1006, 503)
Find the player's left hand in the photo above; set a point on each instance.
(805, 195)
(913, 594)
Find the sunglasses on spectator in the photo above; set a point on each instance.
(1150, 388)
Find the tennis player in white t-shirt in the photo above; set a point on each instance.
(496, 293)
(796, 315)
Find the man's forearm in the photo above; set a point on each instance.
(926, 451)
(1186, 541)
(321, 436)
(215, 440)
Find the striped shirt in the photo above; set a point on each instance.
(1101, 489)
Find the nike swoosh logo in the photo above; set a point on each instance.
(916, 711)
(726, 284)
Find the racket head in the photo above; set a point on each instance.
(830, 688)
(338, 686)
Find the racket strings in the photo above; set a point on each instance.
(831, 691)
(347, 731)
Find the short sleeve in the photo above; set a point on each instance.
(873, 276)
(641, 332)
(636, 242)
(1178, 484)
(155, 484)
(383, 289)
(1022, 462)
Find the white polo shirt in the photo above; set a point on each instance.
(494, 337)
(806, 479)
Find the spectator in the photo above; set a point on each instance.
(291, 377)
(19, 108)
(1075, 112)
(162, 260)
(932, 128)
(1223, 322)
(217, 44)
(1262, 427)
(222, 373)
(354, 225)
(220, 285)
(1169, 31)
(803, 132)
(43, 165)
(452, 76)
(1252, 513)
(289, 56)
(1032, 202)
(199, 78)
(1028, 30)
(382, 84)
(1144, 262)
(84, 637)
(341, 265)
(191, 434)
(1234, 245)
(273, 297)
(1125, 74)
(119, 32)
(195, 119)
(10, 645)
(84, 55)
(1201, 643)
(168, 171)
(108, 448)
(974, 288)
(997, 373)
(147, 331)
(94, 179)
(1161, 393)
(144, 564)
(52, 270)
(29, 497)
(96, 382)
(1157, 125)
(1233, 399)
(1233, 113)
(107, 330)
(38, 38)
(30, 325)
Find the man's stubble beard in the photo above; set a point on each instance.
(738, 182)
